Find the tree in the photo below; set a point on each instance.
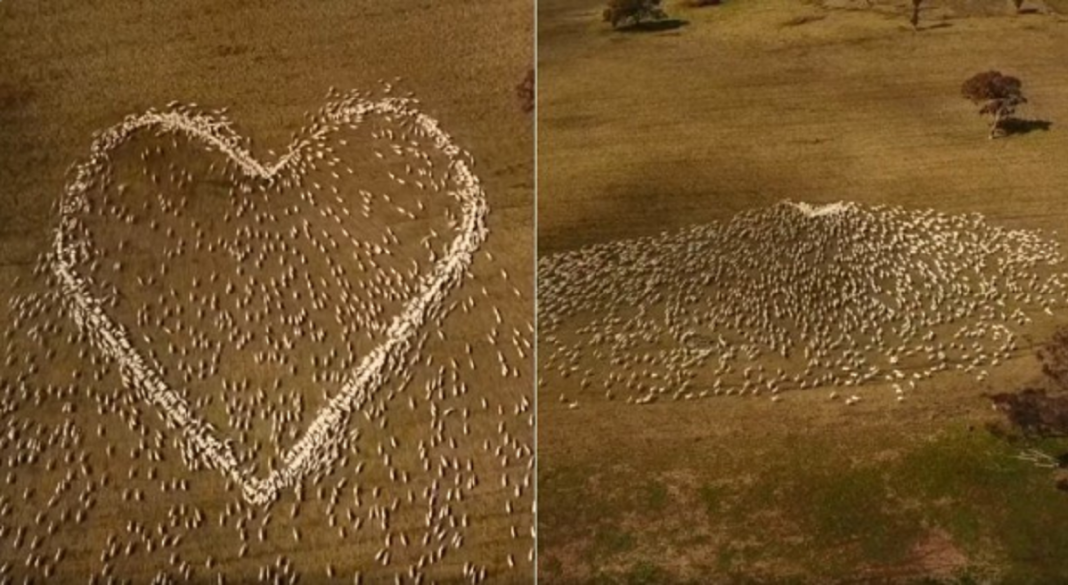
(999, 95)
(1018, 4)
(915, 18)
(632, 12)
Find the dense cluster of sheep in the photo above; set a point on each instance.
(790, 297)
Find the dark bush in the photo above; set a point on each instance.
(1034, 412)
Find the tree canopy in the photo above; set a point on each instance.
(632, 12)
(998, 96)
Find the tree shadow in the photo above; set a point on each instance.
(650, 26)
(935, 26)
(804, 19)
(1012, 126)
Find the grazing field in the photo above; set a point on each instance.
(733, 108)
(258, 320)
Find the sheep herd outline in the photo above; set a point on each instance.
(111, 338)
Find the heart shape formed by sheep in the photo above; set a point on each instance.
(141, 375)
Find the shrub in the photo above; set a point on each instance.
(1034, 412)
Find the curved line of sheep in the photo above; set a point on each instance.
(112, 339)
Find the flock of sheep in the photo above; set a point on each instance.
(329, 323)
(794, 296)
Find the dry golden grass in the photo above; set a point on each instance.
(644, 132)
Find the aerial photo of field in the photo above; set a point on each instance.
(802, 287)
(266, 292)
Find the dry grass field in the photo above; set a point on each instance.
(435, 480)
(736, 107)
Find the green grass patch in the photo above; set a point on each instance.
(646, 573)
(712, 496)
(848, 511)
(975, 488)
(725, 559)
(656, 496)
(553, 566)
(570, 505)
(610, 541)
(814, 508)
(828, 513)
(960, 465)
